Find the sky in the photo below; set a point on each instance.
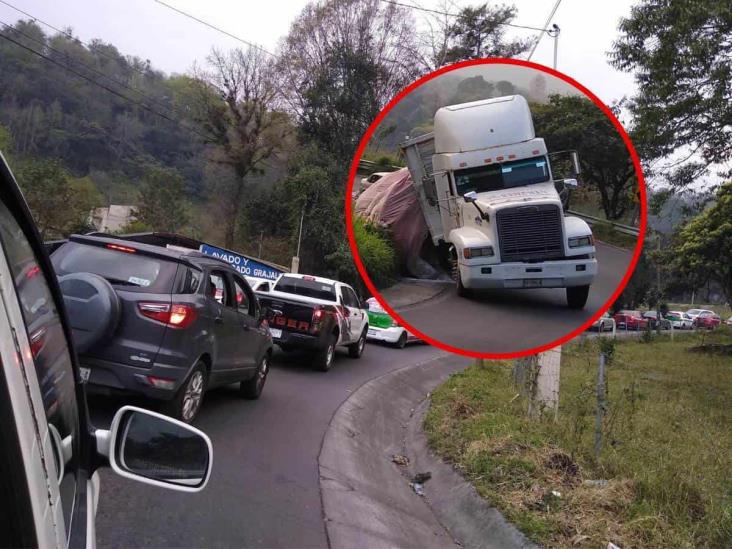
(173, 43)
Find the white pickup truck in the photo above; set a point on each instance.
(316, 314)
(486, 191)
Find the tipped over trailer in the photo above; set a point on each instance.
(491, 203)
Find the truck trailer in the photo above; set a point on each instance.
(491, 203)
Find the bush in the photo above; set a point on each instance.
(377, 252)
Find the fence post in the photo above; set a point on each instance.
(601, 404)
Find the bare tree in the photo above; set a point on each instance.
(233, 101)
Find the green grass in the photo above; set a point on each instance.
(667, 452)
(605, 232)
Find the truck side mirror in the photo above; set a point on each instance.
(575, 163)
(570, 183)
(470, 196)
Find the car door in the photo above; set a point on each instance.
(225, 326)
(250, 339)
(44, 392)
(356, 317)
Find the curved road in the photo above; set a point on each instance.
(264, 490)
(504, 321)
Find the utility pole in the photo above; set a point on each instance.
(261, 241)
(554, 33)
(296, 260)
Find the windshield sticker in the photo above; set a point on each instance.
(139, 281)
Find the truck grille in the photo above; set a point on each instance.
(529, 233)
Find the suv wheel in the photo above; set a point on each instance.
(355, 350)
(323, 359)
(186, 404)
(252, 388)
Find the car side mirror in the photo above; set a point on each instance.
(471, 196)
(156, 449)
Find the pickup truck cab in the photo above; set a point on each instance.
(488, 195)
(316, 314)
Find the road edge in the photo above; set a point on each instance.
(367, 500)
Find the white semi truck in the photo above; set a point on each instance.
(489, 199)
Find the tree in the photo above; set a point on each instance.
(162, 200)
(703, 248)
(574, 122)
(60, 205)
(342, 61)
(233, 102)
(681, 54)
(480, 32)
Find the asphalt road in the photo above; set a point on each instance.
(505, 321)
(264, 489)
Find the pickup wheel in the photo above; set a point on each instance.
(186, 404)
(323, 359)
(252, 388)
(577, 296)
(355, 350)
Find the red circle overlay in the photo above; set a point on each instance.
(367, 137)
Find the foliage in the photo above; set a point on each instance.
(665, 463)
(703, 248)
(162, 200)
(377, 252)
(574, 122)
(479, 32)
(681, 54)
(638, 287)
(60, 204)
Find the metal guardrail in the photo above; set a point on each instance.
(625, 229)
(370, 165)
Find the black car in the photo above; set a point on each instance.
(167, 324)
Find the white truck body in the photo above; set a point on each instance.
(485, 187)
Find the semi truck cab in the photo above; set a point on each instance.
(489, 198)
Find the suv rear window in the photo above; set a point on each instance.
(306, 288)
(133, 271)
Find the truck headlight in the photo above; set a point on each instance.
(581, 241)
(486, 251)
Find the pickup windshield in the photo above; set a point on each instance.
(507, 175)
(306, 288)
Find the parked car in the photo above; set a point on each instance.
(382, 327)
(708, 320)
(653, 320)
(316, 314)
(259, 284)
(728, 321)
(679, 320)
(605, 322)
(165, 323)
(50, 453)
(630, 320)
(694, 313)
(366, 182)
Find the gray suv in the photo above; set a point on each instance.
(167, 324)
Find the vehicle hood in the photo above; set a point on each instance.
(541, 192)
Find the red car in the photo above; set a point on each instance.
(630, 320)
(708, 320)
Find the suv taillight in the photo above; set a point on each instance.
(176, 315)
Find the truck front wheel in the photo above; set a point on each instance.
(462, 291)
(577, 296)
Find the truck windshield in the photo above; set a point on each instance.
(502, 176)
(306, 288)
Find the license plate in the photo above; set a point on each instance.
(532, 283)
(276, 333)
(85, 373)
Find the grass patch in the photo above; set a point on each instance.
(605, 232)
(665, 463)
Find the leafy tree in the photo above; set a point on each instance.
(681, 54)
(162, 200)
(60, 204)
(703, 248)
(479, 32)
(574, 122)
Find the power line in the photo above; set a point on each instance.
(214, 27)
(546, 26)
(440, 12)
(92, 69)
(107, 88)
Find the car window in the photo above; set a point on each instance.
(244, 301)
(218, 288)
(133, 270)
(351, 299)
(49, 352)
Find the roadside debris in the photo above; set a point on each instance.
(595, 483)
(421, 478)
(418, 488)
(400, 460)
